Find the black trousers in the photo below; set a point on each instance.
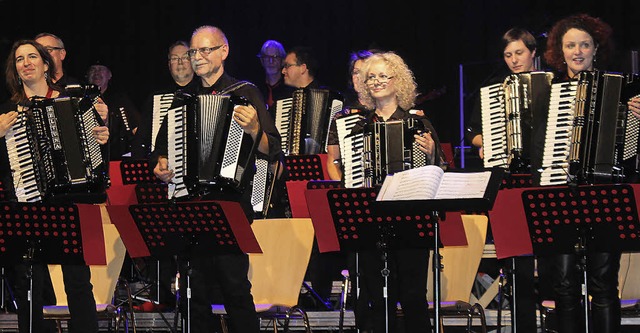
(77, 285)
(229, 272)
(602, 284)
(526, 298)
(407, 284)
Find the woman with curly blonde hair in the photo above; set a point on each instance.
(388, 88)
(404, 82)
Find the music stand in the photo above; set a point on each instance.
(511, 181)
(3, 193)
(360, 222)
(50, 234)
(185, 229)
(135, 171)
(573, 220)
(306, 167)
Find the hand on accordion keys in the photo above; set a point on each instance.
(6, 121)
(247, 118)
(425, 143)
(634, 106)
(162, 170)
(101, 133)
(102, 110)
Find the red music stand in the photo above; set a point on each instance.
(50, 234)
(152, 193)
(306, 167)
(185, 229)
(3, 193)
(59, 234)
(511, 181)
(136, 171)
(360, 223)
(132, 182)
(577, 219)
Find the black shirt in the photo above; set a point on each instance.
(141, 146)
(120, 138)
(253, 95)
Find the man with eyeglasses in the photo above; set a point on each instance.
(271, 56)
(182, 75)
(55, 47)
(299, 69)
(209, 48)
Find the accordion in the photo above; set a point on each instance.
(303, 120)
(590, 136)
(207, 148)
(52, 150)
(510, 112)
(380, 149)
(161, 105)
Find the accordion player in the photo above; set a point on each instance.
(207, 149)
(374, 149)
(512, 110)
(52, 150)
(303, 120)
(590, 135)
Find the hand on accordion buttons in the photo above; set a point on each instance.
(103, 110)
(101, 133)
(247, 118)
(634, 106)
(425, 142)
(6, 121)
(162, 170)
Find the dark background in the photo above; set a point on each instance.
(444, 43)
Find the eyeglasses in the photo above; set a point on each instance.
(269, 57)
(286, 66)
(204, 51)
(381, 79)
(175, 60)
(53, 48)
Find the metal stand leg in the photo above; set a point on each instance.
(437, 268)
(514, 306)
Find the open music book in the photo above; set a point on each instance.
(431, 182)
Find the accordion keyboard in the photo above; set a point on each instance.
(494, 127)
(176, 152)
(558, 134)
(351, 148)
(161, 104)
(20, 160)
(283, 118)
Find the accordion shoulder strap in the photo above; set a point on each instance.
(234, 87)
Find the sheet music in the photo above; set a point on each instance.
(463, 185)
(431, 182)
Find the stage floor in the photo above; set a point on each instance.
(320, 321)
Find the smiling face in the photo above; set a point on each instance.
(579, 51)
(380, 82)
(208, 61)
(29, 64)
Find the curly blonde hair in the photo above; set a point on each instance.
(404, 81)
